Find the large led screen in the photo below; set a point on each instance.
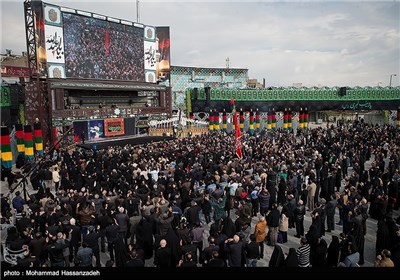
(99, 49)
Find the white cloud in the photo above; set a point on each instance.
(327, 43)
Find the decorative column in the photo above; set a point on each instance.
(251, 122)
(211, 121)
(19, 134)
(273, 124)
(224, 121)
(6, 154)
(37, 134)
(241, 120)
(28, 142)
(258, 120)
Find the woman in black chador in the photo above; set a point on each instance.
(382, 237)
(332, 258)
(319, 254)
(291, 258)
(358, 232)
(173, 243)
(144, 237)
(277, 257)
(121, 252)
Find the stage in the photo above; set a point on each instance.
(133, 140)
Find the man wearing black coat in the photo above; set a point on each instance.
(112, 233)
(162, 256)
(75, 240)
(330, 213)
(273, 223)
(92, 240)
(299, 213)
(234, 247)
(252, 252)
(55, 251)
(122, 220)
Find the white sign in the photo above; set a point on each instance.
(150, 60)
(54, 44)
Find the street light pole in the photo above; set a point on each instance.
(391, 75)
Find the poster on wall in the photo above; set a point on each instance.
(113, 127)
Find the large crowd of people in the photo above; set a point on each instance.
(192, 202)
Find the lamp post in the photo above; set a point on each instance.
(391, 75)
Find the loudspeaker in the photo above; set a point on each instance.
(342, 91)
(208, 91)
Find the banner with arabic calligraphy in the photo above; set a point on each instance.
(54, 44)
(149, 55)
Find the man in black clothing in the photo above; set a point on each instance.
(75, 238)
(135, 260)
(234, 247)
(55, 251)
(215, 261)
(163, 254)
(206, 255)
(103, 220)
(83, 137)
(252, 252)
(112, 232)
(273, 223)
(24, 223)
(299, 213)
(92, 240)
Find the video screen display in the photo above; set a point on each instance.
(80, 131)
(113, 127)
(96, 129)
(98, 49)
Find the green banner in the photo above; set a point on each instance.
(5, 97)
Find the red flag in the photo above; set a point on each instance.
(107, 42)
(238, 143)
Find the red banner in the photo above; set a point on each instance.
(14, 71)
(238, 143)
(107, 42)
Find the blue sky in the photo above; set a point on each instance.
(329, 43)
